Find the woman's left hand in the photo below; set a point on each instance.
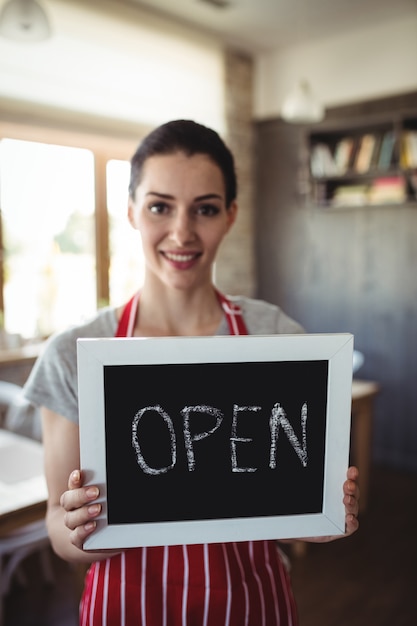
(351, 502)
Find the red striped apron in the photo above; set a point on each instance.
(225, 584)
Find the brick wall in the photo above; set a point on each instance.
(235, 268)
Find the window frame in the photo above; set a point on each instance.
(105, 144)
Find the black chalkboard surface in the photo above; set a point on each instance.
(215, 439)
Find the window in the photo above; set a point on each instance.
(126, 259)
(68, 247)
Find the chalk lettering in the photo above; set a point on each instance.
(278, 418)
(234, 438)
(188, 438)
(135, 441)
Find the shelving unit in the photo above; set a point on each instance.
(362, 163)
(351, 268)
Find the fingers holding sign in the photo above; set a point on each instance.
(81, 508)
(351, 500)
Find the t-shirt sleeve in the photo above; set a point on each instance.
(263, 318)
(52, 382)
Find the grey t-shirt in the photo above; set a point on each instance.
(53, 380)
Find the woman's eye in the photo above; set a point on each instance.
(158, 208)
(208, 210)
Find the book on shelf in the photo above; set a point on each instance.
(386, 152)
(343, 154)
(388, 190)
(408, 149)
(350, 195)
(377, 149)
(383, 190)
(365, 154)
(412, 141)
(322, 162)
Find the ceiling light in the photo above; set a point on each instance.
(24, 20)
(301, 106)
(218, 4)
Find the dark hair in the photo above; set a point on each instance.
(189, 137)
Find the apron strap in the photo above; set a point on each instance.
(233, 315)
(128, 318)
(232, 312)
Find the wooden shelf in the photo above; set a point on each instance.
(370, 164)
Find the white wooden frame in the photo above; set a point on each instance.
(337, 349)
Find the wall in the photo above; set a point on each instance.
(344, 271)
(235, 266)
(117, 62)
(363, 64)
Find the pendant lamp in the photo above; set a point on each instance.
(301, 106)
(24, 20)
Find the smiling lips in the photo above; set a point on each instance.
(181, 260)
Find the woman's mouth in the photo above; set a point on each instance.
(181, 260)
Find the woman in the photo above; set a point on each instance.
(182, 200)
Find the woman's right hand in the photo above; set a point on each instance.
(80, 508)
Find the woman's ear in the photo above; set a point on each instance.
(232, 214)
(131, 213)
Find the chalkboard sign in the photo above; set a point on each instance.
(208, 439)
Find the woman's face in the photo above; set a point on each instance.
(180, 212)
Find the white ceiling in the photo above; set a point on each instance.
(257, 25)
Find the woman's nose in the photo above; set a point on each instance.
(182, 231)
